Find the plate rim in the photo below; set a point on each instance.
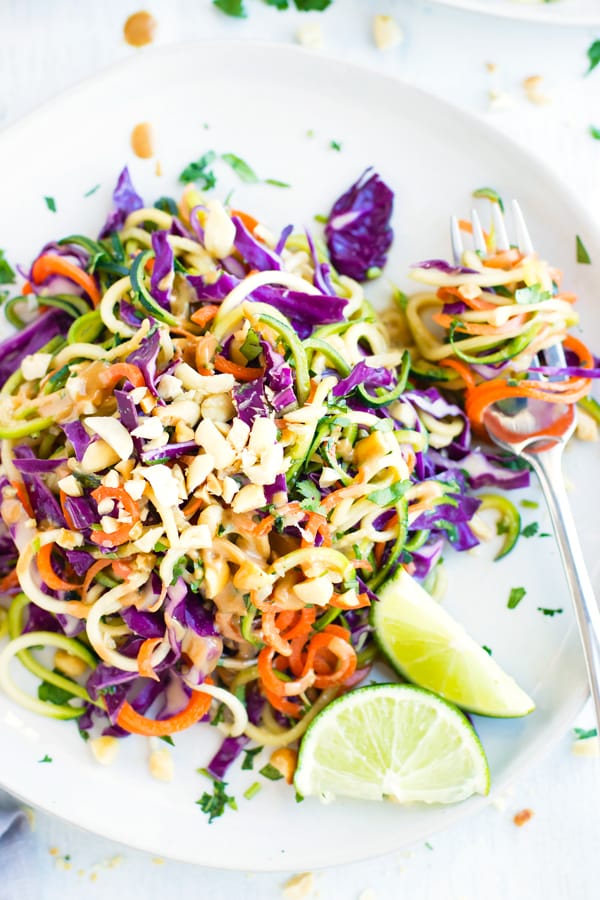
(548, 736)
(536, 14)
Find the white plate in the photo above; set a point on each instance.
(558, 12)
(259, 102)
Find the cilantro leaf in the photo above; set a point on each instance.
(279, 4)
(387, 496)
(233, 8)
(241, 168)
(310, 492)
(583, 734)
(515, 597)
(533, 294)
(335, 145)
(317, 5)
(50, 693)
(215, 804)
(168, 740)
(251, 347)
(593, 55)
(489, 194)
(92, 190)
(270, 772)
(580, 252)
(249, 757)
(594, 132)
(50, 203)
(487, 649)
(7, 275)
(45, 759)
(199, 172)
(549, 612)
(530, 530)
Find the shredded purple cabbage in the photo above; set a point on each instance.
(163, 269)
(125, 200)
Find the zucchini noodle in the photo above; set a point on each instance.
(213, 456)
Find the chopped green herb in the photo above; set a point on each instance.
(92, 190)
(219, 715)
(489, 194)
(50, 693)
(319, 217)
(310, 492)
(530, 530)
(45, 759)
(249, 757)
(487, 649)
(316, 5)
(253, 790)
(387, 496)
(335, 145)
(515, 597)
(310, 133)
(233, 8)
(530, 504)
(595, 132)
(7, 275)
(582, 734)
(199, 172)
(179, 568)
(593, 55)
(168, 740)
(241, 168)
(581, 253)
(299, 797)
(502, 526)
(549, 612)
(270, 772)
(428, 845)
(274, 182)
(533, 294)
(215, 804)
(544, 534)
(251, 347)
(50, 203)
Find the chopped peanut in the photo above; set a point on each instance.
(285, 761)
(68, 664)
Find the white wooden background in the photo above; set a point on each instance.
(47, 46)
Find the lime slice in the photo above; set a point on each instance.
(395, 741)
(426, 646)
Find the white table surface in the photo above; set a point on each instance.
(45, 47)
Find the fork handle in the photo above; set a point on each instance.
(548, 468)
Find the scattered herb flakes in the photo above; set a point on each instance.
(92, 190)
(530, 530)
(544, 534)
(241, 168)
(522, 817)
(489, 194)
(7, 275)
(428, 845)
(515, 597)
(593, 55)
(50, 203)
(235, 8)
(251, 347)
(502, 527)
(335, 145)
(549, 612)
(199, 172)
(530, 504)
(310, 133)
(582, 734)
(487, 649)
(215, 804)
(310, 492)
(274, 182)
(270, 772)
(249, 757)
(312, 5)
(253, 790)
(45, 759)
(594, 132)
(319, 217)
(580, 252)
(168, 740)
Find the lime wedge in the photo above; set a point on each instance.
(426, 646)
(395, 741)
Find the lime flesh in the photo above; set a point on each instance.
(425, 645)
(392, 741)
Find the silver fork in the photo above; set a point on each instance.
(523, 429)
